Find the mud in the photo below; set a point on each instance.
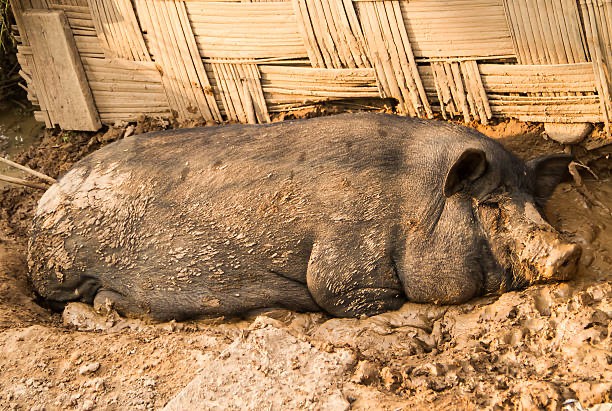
(18, 130)
(533, 349)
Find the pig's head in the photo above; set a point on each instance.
(508, 197)
(474, 223)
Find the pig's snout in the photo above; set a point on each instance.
(562, 262)
(545, 257)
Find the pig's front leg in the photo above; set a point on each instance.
(350, 273)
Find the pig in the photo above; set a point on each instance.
(352, 214)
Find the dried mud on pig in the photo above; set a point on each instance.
(530, 349)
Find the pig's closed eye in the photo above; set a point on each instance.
(490, 200)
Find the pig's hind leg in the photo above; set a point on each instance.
(55, 294)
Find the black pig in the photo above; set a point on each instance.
(352, 214)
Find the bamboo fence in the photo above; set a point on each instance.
(534, 60)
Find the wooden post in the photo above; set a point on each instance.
(57, 62)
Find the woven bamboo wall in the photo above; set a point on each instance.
(534, 60)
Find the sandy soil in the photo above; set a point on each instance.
(532, 349)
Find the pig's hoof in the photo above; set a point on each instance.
(107, 301)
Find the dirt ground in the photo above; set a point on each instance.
(540, 348)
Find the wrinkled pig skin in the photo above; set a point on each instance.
(351, 214)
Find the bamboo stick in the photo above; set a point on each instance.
(331, 27)
(399, 59)
(149, 15)
(442, 82)
(374, 55)
(249, 85)
(22, 182)
(316, 93)
(532, 55)
(483, 94)
(344, 33)
(371, 91)
(69, 8)
(262, 101)
(211, 110)
(118, 22)
(421, 96)
(572, 14)
(180, 82)
(515, 34)
(225, 82)
(385, 70)
(165, 47)
(218, 81)
(466, 106)
(135, 32)
(109, 111)
(305, 28)
(106, 105)
(239, 90)
(562, 32)
(439, 94)
(28, 170)
(251, 74)
(184, 64)
(107, 30)
(247, 104)
(236, 91)
(598, 63)
(473, 97)
(317, 17)
(484, 110)
(408, 106)
(114, 87)
(544, 110)
(355, 26)
(452, 87)
(555, 53)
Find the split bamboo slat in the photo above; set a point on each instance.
(598, 26)
(172, 42)
(390, 50)
(460, 91)
(117, 28)
(331, 32)
(34, 86)
(240, 60)
(459, 28)
(286, 85)
(245, 30)
(241, 92)
(546, 32)
(126, 89)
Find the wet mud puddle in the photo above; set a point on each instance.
(585, 214)
(18, 131)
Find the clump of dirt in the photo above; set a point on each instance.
(532, 349)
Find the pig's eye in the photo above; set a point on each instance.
(493, 198)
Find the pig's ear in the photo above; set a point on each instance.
(547, 173)
(470, 165)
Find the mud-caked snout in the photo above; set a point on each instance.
(562, 262)
(546, 257)
(529, 249)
